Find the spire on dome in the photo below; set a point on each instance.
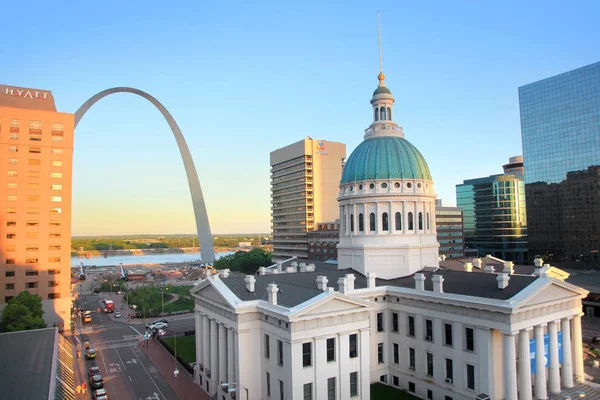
(381, 76)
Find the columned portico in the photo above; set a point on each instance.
(524, 365)
(540, 364)
(567, 364)
(510, 366)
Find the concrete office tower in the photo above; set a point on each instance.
(560, 127)
(36, 155)
(494, 215)
(514, 166)
(305, 178)
(450, 233)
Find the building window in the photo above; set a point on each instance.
(11, 210)
(33, 197)
(396, 353)
(372, 222)
(57, 138)
(55, 175)
(31, 248)
(268, 384)
(429, 330)
(13, 149)
(56, 163)
(411, 326)
(380, 353)
(385, 222)
(470, 377)
(398, 218)
(411, 387)
(10, 261)
(428, 222)
(11, 235)
(33, 186)
(31, 285)
(54, 259)
(429, 364)
(52, 296)
(54, 272)
(411, 359)
(306, 354)
(9, 286)
(361, 223)
(420, 221)
(380, 322)
(279, 352)
(13, 161)
(31, 273)
(11, 198)
(10, 248)
(448, 334)
(14, 136)
(35, 138)
(330, 349)
(35, 126)
(54, 223)
(55, 187)
(331, 388)
(54, 235)
(395, 380)
(353, 345)
(307, 391)
(35, 150)
(281, 389)
(382, 113)
(469, 339)
(12, 185)
(56, 210)
(351, 222)
(53, 247)
(267, 346)
(34, 161)
(353, 384)
(449, 370)
(447, 398)
(429, 394)
(376, 114)
(395, 322)
(33, 174)
(12, 173)
(31, 260)
(56, 199)
(33, 223)
(9, 274)
(11, 223)
(58, 127)
(56, 151)
(52, 283)
(410, 221)
(33, 210)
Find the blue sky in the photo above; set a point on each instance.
(244, 79)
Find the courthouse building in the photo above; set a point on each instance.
(387, 312)
(36, 154)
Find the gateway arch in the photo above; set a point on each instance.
(207, 251)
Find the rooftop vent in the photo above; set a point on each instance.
(420, 282)
(343, 285)
(538, 262)
(502, 280)
(477, 263)
(468, 267)
(322, 283)
(508, 267)
(371, 280)
(250, 281)
(489, 269)
(310, 268)
(438, 283)
(272, 291)
(262, 271)
(351, 279)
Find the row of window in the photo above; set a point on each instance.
(34, 235)
(30, 285)
(385, 222)
(307, 350)
(35, 210)
(15, 123)
(33, 223)
(384, 185)
(31, 197)
(383, 113)
(11, 274)
(35, 260)
(11, 248)
(35, 174)
(51, 296)
(307, 389)
(35, 161)
(36, 150)
(37, 137)
(34, 186)
(448, 338)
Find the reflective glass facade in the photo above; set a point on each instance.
(560, 126)
(494, 216)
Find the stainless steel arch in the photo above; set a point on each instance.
(207, 251)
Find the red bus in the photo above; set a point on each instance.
(109, 306)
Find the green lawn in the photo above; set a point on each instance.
(181, 290)
(380, 391)
(186, 347)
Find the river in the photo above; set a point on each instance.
(101, 261)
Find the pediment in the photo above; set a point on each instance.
(210, 293)
(552, 292)
(332, 305)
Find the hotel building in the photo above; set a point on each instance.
(304, 186)
(36, 153)
(450, 234)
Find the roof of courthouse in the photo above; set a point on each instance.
(26, 367)
(296, 288)
(458, 264)
(33, 99)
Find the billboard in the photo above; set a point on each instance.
(546, 351)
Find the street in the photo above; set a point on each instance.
(127, 371)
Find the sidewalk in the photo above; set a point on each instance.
(184, 385)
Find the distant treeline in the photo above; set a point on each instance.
(245, 262)
(155, 242)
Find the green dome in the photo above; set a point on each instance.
(380, 90)
(385, 157)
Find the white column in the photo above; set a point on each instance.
(524, 365)
(205, 343)
(354, 220)
(404, 218)
(577, 349)
(377, 219)
(567, 365)
(540, 364)
(198, 339)
(553, 369)
(222, 355)
(214, 360)
(510, 366)
(391, 219)
(230, 356)
(236, 348)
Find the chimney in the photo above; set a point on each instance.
(419, 282)
(276, 271)
(291, 268)
(508, 267)
(438, 283)
(322, 283)
(262, 271)
(502, 280)
(294, 264)
(371, 283)
(272, 290)
(330, 289)
(538, 262)
(489, 268)
(310, 268)
(225, 273)
(468, 267)
(343, 285)
(250, 281)
(351, 279)
(279, 266)
(477, 263)
(302, 267)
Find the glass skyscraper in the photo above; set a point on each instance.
(494, 215)
(560, 126)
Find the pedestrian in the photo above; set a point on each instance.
(78, 353)
(78, 389)
(84, 387)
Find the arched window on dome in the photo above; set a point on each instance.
(361, 223)
(376, 114)
(351, 222)
(420, 221)
(382, 113)
(410, 222)
(372, 222)
(398, 221)
(428, 221)
(389, 114)
(385, 222)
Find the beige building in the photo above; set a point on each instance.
(36, 154)
(305, 178)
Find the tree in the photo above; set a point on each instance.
(23, 312)
(245, 262)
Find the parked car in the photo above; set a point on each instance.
(159, 325)
(96, 382)
(100, 394)
(90, 354)
(160, 320)
(161, 332)
(117, 315)
(93, 371)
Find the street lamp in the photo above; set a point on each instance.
(234, 387)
